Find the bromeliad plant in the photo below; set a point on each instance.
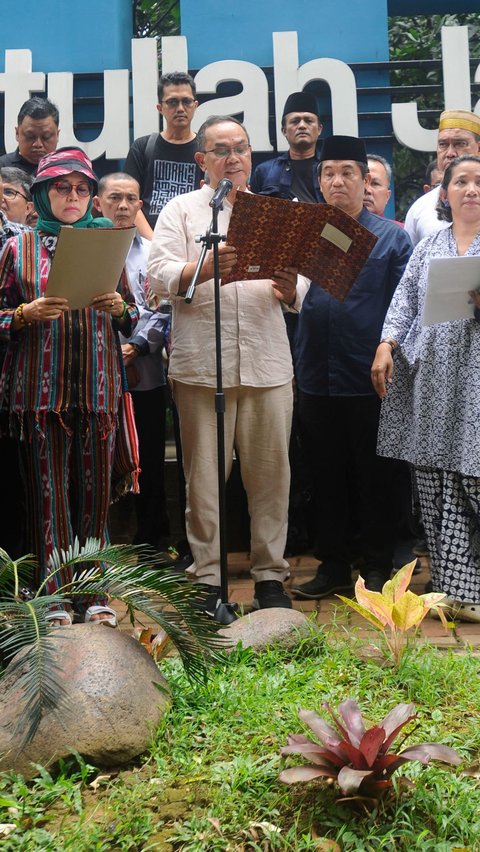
(395, 610)
(358, 758)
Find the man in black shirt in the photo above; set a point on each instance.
(36, 133)
(294, 173)
(163, 163)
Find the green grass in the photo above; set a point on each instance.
(211, 780)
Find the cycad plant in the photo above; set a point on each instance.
(123, 572)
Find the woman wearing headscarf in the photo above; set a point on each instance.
(62, 375)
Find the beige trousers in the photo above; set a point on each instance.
(257, 425)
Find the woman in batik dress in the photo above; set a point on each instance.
(429, 379)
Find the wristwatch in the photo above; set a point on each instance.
(391, 342)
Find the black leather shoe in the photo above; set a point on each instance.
(375, 580)
(208, 599)
(329, 580)
(270, 593)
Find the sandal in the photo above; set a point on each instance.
(58, 615)
(100, 610)
(459, 611)
(467, 612)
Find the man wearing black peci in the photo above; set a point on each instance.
(338, 408)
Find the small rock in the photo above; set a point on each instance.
(265, 627)
(114, 705)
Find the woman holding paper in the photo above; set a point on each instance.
(62, 375)
(431, 392)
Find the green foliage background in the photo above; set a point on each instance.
(413, 39)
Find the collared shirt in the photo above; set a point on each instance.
(336, 341)
(9, 229)
(255, 348)
(149, 331)
(421, 219)
(16, 160)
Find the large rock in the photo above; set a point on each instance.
(266, 627)
(113, 709)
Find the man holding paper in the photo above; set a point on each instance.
(338, 410)
(431, 392)
(257, 370)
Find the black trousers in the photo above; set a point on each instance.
(151, 504)
(352, 485)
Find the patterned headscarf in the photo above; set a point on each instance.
(62, 163)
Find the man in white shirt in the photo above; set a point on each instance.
(458, 133)
(257, 371)
(119, 199)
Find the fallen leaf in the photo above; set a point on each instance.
(266, 827)
(216, 824)
(98, 781)
(324, 844)
(472, 771)
(6, 828)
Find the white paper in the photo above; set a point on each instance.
(450, 280)
(88, 262)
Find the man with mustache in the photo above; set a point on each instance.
(294, 173)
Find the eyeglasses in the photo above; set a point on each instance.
(223, 153)
(173, 103)
(64, 187)
(12, 193)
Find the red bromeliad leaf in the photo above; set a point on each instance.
(320, 728)
(394, 722)
(343, 731)
(371, 743)
(424, 752)
(351, 715)
(305, 773)
(311, 749)
(297, 738)
(317, 754)
(349, 779)
(386, 764)
(352, 756)
(345, 748)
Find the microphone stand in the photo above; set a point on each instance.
(224, 611)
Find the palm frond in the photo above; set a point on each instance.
(160, 595)
(34, 673)
(15, 573)
(123, 572)
(167, 600)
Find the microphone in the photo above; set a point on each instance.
(223, 188)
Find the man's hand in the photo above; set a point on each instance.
(130, 353)
(227, 258)
(285, 285)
